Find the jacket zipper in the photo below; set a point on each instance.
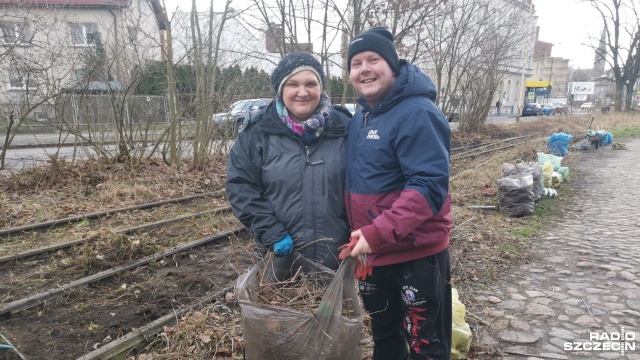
(318, 162)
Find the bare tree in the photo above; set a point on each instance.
(460, 44)
(621, 23)
(298, 25)
(73, 54)
(205, 64)
(471, 52)
(36, 63)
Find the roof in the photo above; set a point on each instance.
(69, 3)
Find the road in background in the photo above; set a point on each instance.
(38, 149)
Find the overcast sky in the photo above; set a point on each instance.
(568, 24)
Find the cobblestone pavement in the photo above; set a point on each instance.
(580, 288)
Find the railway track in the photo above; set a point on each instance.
(100, 214)
(32, 239)
(475, 150)
(468, 158)
(73, 319)
(153, 263)
(119, 301)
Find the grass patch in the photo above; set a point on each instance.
(626, 133)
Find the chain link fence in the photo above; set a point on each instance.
(75, 109)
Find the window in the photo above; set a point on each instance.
(78, 74)
(19, 80)
(42, 116)
(84, 34)
(132, 35)
(14, 33)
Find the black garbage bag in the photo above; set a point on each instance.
(516, 195)
(532, 168)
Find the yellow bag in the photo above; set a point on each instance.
(547, 173)
(461, 332)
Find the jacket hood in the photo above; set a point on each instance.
(409, 82)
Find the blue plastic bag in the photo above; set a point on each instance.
(558, 143)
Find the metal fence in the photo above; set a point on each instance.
(106, 109)
(80, 109)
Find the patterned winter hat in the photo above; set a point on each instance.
(292, 64)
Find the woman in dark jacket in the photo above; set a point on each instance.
(285, 178)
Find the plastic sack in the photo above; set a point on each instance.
(565, 172)
(531, 168)
(582, 145)
(558, 143)
(556, 179)
(556, 161)
(547, 172)
(516, 195)
(460, 330)
(549, 192)
(605, 137)
(274, 332)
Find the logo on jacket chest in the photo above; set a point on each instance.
(373, 134)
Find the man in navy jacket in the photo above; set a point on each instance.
(397, 197)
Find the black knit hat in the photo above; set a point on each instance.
(294, 63)
(378, 40)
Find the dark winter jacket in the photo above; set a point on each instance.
(277, 185)
(397, 174)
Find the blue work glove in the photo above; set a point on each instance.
(284, 246)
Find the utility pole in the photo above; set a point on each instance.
(523, 86)
(550, 81)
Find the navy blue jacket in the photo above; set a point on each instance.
(397, 172)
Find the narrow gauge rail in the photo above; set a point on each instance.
(480, 155)
(18, 243)
(68, 244)
(475, 146)
(482, 149)
(108, 251)
(52, 223)
(93, 312)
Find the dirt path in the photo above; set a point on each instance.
(580, 288)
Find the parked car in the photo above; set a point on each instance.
(240, 111)
(351, 107)
(532, 109)
(548, 109)
(560, 109)
(586, 106)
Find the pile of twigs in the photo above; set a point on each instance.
(303, 292)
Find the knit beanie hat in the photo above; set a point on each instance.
(292, 64)
(378, 40)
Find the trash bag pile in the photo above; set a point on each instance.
(604, 136)
(520, 186)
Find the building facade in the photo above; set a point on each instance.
(49, 47)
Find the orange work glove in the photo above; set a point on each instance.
(363, 268)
